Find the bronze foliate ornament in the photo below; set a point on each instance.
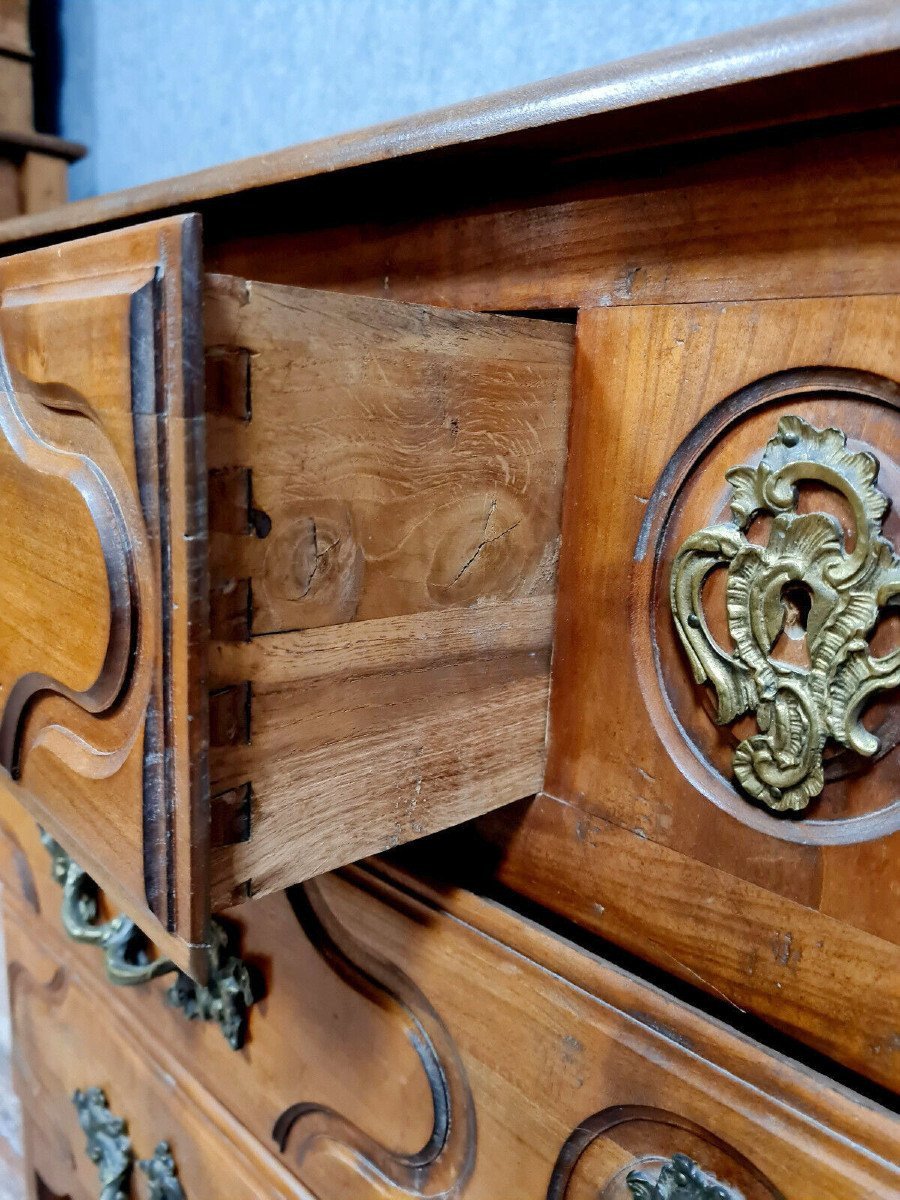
(108, 1144)
(232, 988)
(679, 1179)
(806, 560)
(161, 1175)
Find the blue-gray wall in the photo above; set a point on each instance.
(158, 87)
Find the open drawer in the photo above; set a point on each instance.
(256, 629)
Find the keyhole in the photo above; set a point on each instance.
(796, 597)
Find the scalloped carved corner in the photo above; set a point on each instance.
(98, 589)
(103, 589)
(443, 1166)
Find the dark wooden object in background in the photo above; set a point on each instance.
(33, 165)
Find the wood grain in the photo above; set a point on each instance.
(367, 736)
(385, 486)
(794, 212)
(408, 460)
(808, 65)
(699, 880)
(546, 1035)
(104, 595)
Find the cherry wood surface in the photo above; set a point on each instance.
(384, 487)
(838, 60)
(103, 590)
(385, 999)
(641, 834)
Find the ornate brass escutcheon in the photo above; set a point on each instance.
(807, 571)
(109, 1147)
(679, 1179)
(161, 1175)
(108, 1144)
(232, 989)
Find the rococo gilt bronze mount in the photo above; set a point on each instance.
(840, 585)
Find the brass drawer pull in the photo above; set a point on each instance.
(109, 1147)
(233, 987)
(679, 1179)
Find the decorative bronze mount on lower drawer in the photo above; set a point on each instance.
(679, 1179)
(232, 986)
(109, 1147)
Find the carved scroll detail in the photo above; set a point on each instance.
(442, 1167)
(797, 709)
(38, 424)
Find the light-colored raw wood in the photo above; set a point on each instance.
(384, 995)
(104, 590)
(796, 920)
(408, 459)
(398, 534)
(369, 735)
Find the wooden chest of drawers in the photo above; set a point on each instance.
(511, 495)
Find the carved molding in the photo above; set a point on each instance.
(103, 537)
(808, 580)
(663, 1174)
(93, 730)
(442, 1167)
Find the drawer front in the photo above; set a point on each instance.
(137, 1117)
(724, 721)
(422, 1044)
(256, 631)
(103, 595)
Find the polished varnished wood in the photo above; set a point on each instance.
(383, 486)
(384, 492)
(550, 1070)
(797, 211)
(842, 60)
(642, 835)
(102, 731)
(385, 495)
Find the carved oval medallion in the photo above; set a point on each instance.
(808, 580)
(768, 626)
